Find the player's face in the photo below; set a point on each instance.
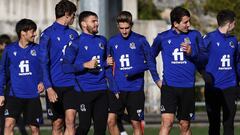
(124, 28)
(184, 25)
(29, 35)
(2, 47)
(91, 24)
(70, 18)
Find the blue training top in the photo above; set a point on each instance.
(132, 56)
(85, 48)
(178, 67)
(53, 42)
(221, 52)
(24, 68)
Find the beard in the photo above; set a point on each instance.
(92, 30)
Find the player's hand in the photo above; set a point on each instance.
(110, 60)
(90, 64)
(40, 87)
(186, 48)
(2, 99)
(159, 84)
(52, 95)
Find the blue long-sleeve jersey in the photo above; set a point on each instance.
(221, 52)
(85, 48)
(24, 68)
(178, 67)
(53, 42)
(132, 56)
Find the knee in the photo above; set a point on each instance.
(70, 117)
(57, 124)
(111, 122)
(136, 124)
(69, 121)
(9, 124)
(34, 130)
(167, 124)
(184, 126)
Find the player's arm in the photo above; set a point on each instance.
(155, 49)
(44, 59)
(111, 69)
(4, 64)
(203, 59)
(45, 65)
(69, 57)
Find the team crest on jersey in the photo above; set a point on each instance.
(132, 45)
(58, 38)
(15, 53)
(86, 47)
(116, 46)
(101, 45)
(71, 36)
(33, 52)
(231, 44)
(187, 40)
(169, 41)
(218, 43)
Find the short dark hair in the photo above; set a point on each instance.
(64, 6)
(125, 16)
(177, 13)
(25, 25)
(225, 16)
(5, 39)
(83, 15)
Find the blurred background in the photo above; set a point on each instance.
(150, 17)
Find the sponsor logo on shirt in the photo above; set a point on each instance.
(125, 62)
(178, 56)
(225, 60)
(24, 68)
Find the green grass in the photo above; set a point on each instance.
(154, 131)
